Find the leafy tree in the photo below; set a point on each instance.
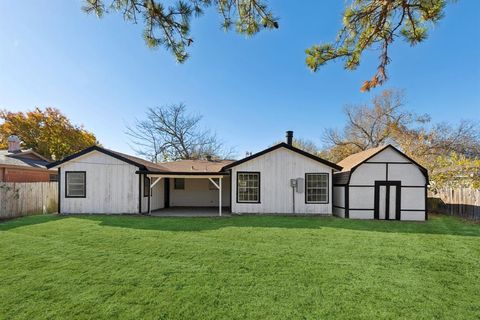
(375, 24)
(169, 25)
(367, 24)
(450, 153)
(48, 132)
(170, 133)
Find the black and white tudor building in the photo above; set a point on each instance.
(380, 183)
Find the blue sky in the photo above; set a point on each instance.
(249, 90)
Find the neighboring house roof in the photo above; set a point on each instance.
(25, 158)
(289, 147)
(351, 162)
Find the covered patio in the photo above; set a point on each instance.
(192, 199)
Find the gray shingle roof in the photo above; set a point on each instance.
(12, 159)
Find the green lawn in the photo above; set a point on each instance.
(252, 267)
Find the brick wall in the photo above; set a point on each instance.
(24, 175)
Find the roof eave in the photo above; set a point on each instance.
(185, 173)
(95, 148)
(287, 146)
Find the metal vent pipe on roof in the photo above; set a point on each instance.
(289, 137)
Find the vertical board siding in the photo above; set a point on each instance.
(27, 198)
(112, 185)
(157, 200)
(276, 169)
(198, 194)
(461, 202)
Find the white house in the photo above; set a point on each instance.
(380, 183)
(281, 179)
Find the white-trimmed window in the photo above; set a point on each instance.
(75, 184)
(316, 188)
(248, 187)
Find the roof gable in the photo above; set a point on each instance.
(355, 159)
(351, 162)
(286, 146)
(181, 166)
(140, 163)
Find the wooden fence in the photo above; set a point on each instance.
(462, 202)
(27, 198)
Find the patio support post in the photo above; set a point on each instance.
(150, 193)
(219, 187)
(220, 197)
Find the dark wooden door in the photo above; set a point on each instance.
(167, 193)
(387, 200)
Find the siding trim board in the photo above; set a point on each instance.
(140, 193)
(231, 184)
(387, 162)
(347, 201)
(426, 204)
(59, 191)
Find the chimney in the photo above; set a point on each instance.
(13, 144)
(289, 137)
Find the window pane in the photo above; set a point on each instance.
(248, 187)
(146, 187)
(75, 184)
(317, 187)
(179, 183)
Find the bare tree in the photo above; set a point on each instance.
(170, 133)
(448, 152)
(369, 126)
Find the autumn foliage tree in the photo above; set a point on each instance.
(450, 153)
(48, 132)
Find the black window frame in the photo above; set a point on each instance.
(327, 188)
(84, 184)
(146, 187)
(175, 183)
(259, 186)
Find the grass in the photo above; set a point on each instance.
(252, 267)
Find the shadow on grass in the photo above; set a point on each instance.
(7, 224)
(438, 224)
